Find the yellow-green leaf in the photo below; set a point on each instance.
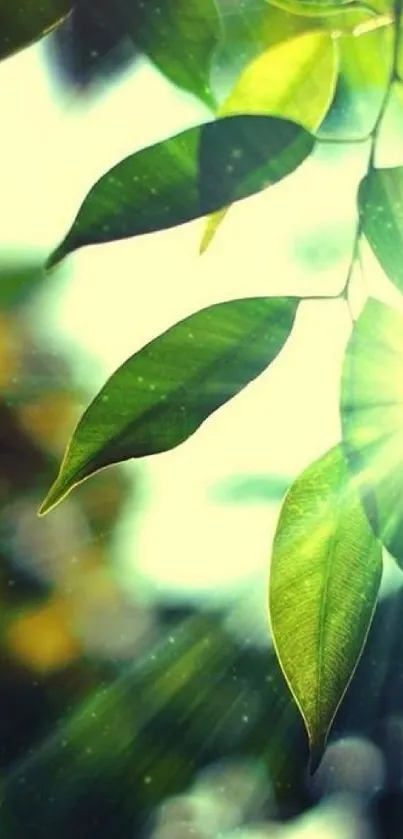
(325, 574)
(294, 79)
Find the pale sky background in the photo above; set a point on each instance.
(108, 301)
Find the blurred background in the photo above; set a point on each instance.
(139, 693)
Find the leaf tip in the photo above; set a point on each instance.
(57, 256)
(204, 243)
(316, 751)
(56, 494)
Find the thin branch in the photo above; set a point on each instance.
(375, 132)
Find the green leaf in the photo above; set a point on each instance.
(380, 200)
(363, 81)
(180, 37)
(316, 8)
(325, 574)
(23, 21)
(162, 394)
(187, 176)
(295, 80)
(372, 418)
(249, 29)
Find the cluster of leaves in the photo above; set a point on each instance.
(290, 61)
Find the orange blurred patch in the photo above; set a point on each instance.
(50, 420)
(43, 640)
(10, 345)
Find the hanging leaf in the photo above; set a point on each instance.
(372, 418)
(294, 80)
(380, 202)
(180, 37)
(187, 176)
(92, 46)
(23, 21)
(161, 395)
(325, 574)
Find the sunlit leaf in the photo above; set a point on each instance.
(372, 418)
(24, 21)
(163, 393)
(249, 28)
(381, 208)
(363, 81)
(325, 574)
(294, 80)
(187, 176)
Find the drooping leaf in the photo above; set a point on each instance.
(187, 176)
(325, 574)
(180, 37)
(294, 79)
(381, 207)
(92, 45)
(372, 418)
(163, 393)
(24, 21)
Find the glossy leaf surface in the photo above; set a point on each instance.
(325, 574)
(294, 80)
(23, 21)
(372, 418)
(381, 207)
(190, 175)
(163, 393)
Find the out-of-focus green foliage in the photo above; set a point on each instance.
(19, 281)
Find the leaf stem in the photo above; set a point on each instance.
(373, 136)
